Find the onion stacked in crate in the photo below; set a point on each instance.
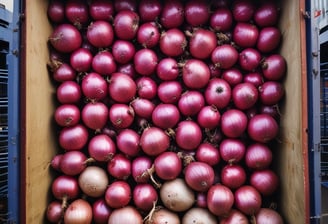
(167, 111)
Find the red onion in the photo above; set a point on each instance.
(188, 135)
(145, 62)
(233, 176)
(234, 217)
(77, 12)
(119, 167)
(140, 167)
(148, 35)
(81, 60)
(126, 24)
(165, 116)
(243, 10)
(209, 117)
(168, 165)
(195, 74)
(118, 194)
(267, 14)
(218, 93)
(69, 92)
(167, 69)
(245, 34)
(176, 195)
(127, 69)
(127, 141)
(268, 216)
(273, 111)
(169, 91)
(234, 123)
(93, 181)
(199, 176)
(191, 102)
(262, 128)
(121, 5)
(100, 34)
(214, 70)
(146, 87)
(265, 181)
(271, 92)
(224, 56)
(55, 162)
(255, 78)
(54, 212)
(73, 163)
(232, 150)
(101, 211)
(233, 76)
(95, 115)
(65, 38)
(123, 51)
(162, 216)
(121, 115)
(274, 67)
(101, 10)
(73, 138)
(219, 200)
(125, 215)
(202, 43)
(221, 19)
(64, 188)
(198, 215)
(144, 196)
(78, 212)
(101, 148)
(56, 11)
(63, 72)
(121, 83)
(154, 141)
(172, 15)
(67, 115)
(268, 39)
(248, 200)
(244, 95)
(149, 10)
(258, 156)
(208, 154)
(104, 63)
(197, 12)
(249, 59)
(94, 87)
(143, 107)
(173, 42)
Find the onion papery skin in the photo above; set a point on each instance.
(198, 215)
(93, 181)
(118, 194)
(220, 200)
(125, 215)
(154, 141)
(78, 212)
(188, 135)
(162, 216)
(73, 138)
(140, 167)
(248, 200)
(95, 115)
(199, 176)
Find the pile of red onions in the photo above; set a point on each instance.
(167, 110)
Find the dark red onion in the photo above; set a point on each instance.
(65, 38)
(126, 24)
(169, 91)
(165, 116)
(268, 39)
(274, 67)
(201, 199)
(167, 165)
(118, 194)
(233, 76)
(104, 63)
(56, 11)
(127, 69)
(245, 34)
(64, 188)
(123, 51)
(154, 141)
(67, 115)
(121, 115)
(233, 176)
(63, 72)
(148, 35)
(101, 148)
(267, 14)
(77, 12)
(101, 211)
(234, 217)
(144, 196)
(121, 5)
(268, 216)
(101, 10)
(191, 102)
(220, 200)
(73, 163)
(197, 12)
(173, 42)
(218, 93)
(172, 15)
(224, 56)
(121, 83)
(146, 87)
(232, 150)
(55, 212)
(262, 128)
(94, 87)
(127, 141)
(208, 153)
(244, 95)
(221, 19)
(273, 111)
(271, 92)
(188, 135)
(167, 69)
(143, 107)
(145, 61)
(149, 10)
(81, 60)
(214, 70)
(119, 167)
(95, 115)
(243, 10)
(202, 43)
(195, 74)
(248, 200)
(73, 138)
(265, 181)
(255, 78)
(209, 117)
(140, 167)
(100, 34)
(249, 59)
(199, 176)
(258, 156)
(234, 123)
(55, 162)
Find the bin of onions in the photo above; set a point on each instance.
(167, 111)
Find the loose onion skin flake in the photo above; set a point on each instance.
(165, 111)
